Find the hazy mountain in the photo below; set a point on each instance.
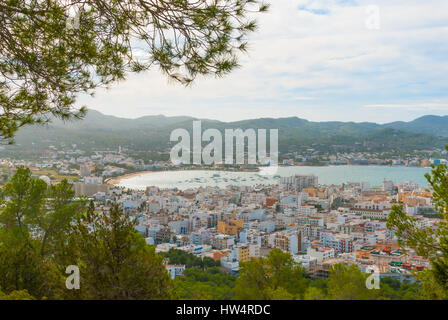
(95, 120)
(98, 131)
(435, 125)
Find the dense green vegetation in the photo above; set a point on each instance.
(394, 289)
(274, 277)
(175, 256)
(278, 277)
(211, 284)
(16, 295)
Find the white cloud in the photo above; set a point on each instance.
(411, 106)
(321, 66)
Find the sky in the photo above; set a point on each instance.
(321, 60)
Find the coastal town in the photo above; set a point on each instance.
(319, 225)
(220, 158)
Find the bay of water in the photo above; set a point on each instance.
(182, 180)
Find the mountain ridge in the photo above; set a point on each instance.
(426, 124)
(153, 132)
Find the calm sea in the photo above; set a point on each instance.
(375, 175)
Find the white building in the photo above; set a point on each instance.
(321, 254)
(175, 270)
(298, 182)
(306, 261)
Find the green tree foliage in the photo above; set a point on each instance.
(314, 293)
(277, 276)
(176, 256)
(394, 289)
(54, 50)
(33, 221)
(349, 283)
(211, 284)
(43, 230)
(115, 261)
(16, 295)
(431, 243)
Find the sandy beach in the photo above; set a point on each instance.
(116, 180)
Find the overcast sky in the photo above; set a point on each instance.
(321, 60)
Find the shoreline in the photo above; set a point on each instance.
(116, 180)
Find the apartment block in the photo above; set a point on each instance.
(231, 227)
(222, 241)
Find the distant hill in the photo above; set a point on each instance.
(435, 125)
(96, 121)
(99, 131)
